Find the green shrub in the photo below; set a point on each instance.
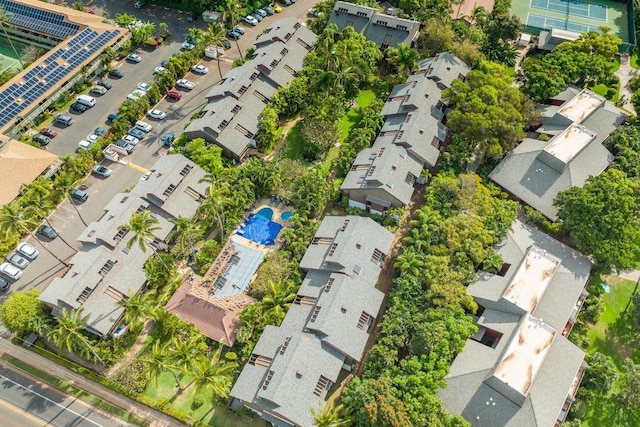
(206, 254)
(544, 137)
(611, 92)
(134, 376)
(198, 401)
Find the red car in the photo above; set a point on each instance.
(49, 132)
(174, 95)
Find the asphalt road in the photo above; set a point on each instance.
(68, 221)
(27, 403)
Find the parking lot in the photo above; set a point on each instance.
(66, 220)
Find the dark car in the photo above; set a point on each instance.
(105, 84)
(137, 133)
(112, 117)
(100, 131)
(51, 133)
(269, 11)
(233, 35)
(77, 195)
(125, 145)
(46, 232)
(116, 74)
(76, 107)
(41, 139)
(193, 17)
(286, 2)
(4, 285)
(226, 44)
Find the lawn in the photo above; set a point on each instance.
(293, 142)
(608, 335)
(602, 89)
(209, 413)
(354, 115)
(633, 60)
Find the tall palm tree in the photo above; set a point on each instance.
(68, 334)
(329, 415)
(22, 220)
(278, 295)
(210, 373)
(142, 225)
(185, 236)
(403, 57)
(231, 15)
(138, 306)
(4, 23)
(214, 205)
(158, 362)
(215, 35)
(183, 354)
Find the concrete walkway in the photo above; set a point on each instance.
(158, 419)
(630, 275)
(625, 73)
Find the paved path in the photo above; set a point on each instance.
(159, 419)
(630, 275)
(625, 73)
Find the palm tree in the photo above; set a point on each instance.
(214, 205)
(185, 353)
(329, 415)
(210, 373)
(138, 306)
(185, 235)
(65, 182)
(215, 35)
(278, 295)
(403, 57)
(158, 362)
(142, 224)
(4, 22)
(15, 219)
(68, 334)
(231, 15)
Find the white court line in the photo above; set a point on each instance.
(49, 400)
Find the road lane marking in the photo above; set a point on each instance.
(64, 408)
(138, 168)
(23, 412)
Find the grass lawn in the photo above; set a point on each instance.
(608, 335)
(293, 142)
(634, 61)
(209, 413)
(354, 115)
(602, 91)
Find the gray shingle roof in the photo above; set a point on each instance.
(231, 117)
(385, 169)
(384, 30)
(471, 382)
(444, 68)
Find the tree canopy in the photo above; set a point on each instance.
(602, 217)
(22, 312)
(624, 143)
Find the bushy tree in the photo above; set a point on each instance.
(22, 312)
(624, 143)
(602, 217)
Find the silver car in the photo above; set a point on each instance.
(27, 251)
(11, 271)
(18, 260)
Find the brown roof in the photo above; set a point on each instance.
(213, 321)
(20, 164)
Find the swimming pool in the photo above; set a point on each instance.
(259, 229)
(285, 216)
(266, 213)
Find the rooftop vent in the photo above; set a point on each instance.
(421, 131)
(358, 245)
(394, 167)
(299, 374)
(357, 269)
(343, 308)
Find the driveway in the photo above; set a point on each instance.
(66, 220)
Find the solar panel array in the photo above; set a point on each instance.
(39, 20)
(19, 96)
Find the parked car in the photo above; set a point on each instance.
(116, 74)
(4, 285)
(128, 147)
(131, 139)
(46, 232)
(77, 107)
(257, 16)
(158, 70)
(101, 171)
(286, 2)
(185, 84)
(143, 126)
(200, 69)
(137, 93)
(137, 133)
(84, 145)
(276, 7)
(238, 29)
(98, 90)
(175, 95)
(105, 84)
(193, 17)
(262, 13)
(250, 20)
(226, 44)
(18, 260)
(134, 57)
(63, 119)
(10, 271)
(156, 114)
(269, 10)
(314, 12)
(112, 117)
(93, 138)
(139, 4)
(41, 139)
(27, 251)
(233, 35)
(100, 131)
(144, 86)
(187, 45)
(78, 195)
(51, 133)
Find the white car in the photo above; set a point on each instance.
(200, 69)
(11, 271)
(137, 93)
(185, 84)
(27, 251)
(156, 114)
(93, 138)
(144, 86)
(84, 145)
(134, 57)
(187, 46)
(99, 90)
(159, 69)
(18, 260)
(143, 126)
(131, 139)
(250, 20)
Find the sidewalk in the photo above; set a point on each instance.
(159, 419)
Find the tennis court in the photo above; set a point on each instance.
(8, 56)
(575, 15)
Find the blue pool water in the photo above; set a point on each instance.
(265, 212)
(286, 216)
(259, 229)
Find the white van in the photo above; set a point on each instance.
(86, 100)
